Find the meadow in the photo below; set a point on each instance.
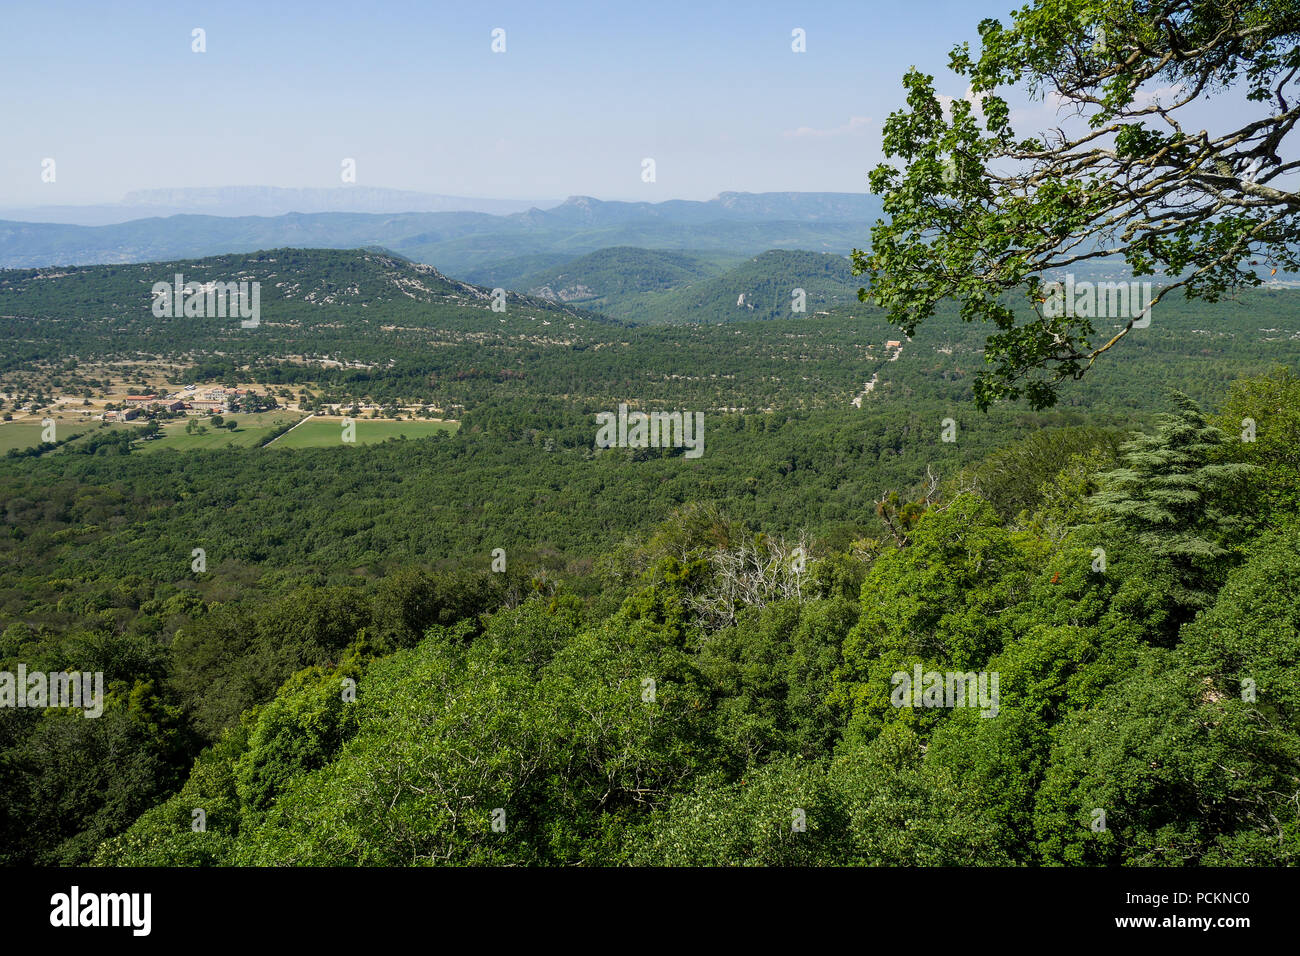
(326, 432)
(250, 431)
(19, 435)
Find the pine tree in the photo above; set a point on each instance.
(1173, 497)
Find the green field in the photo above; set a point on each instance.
(25, 434)
(251, 431)
(19, 435)
(327, 432)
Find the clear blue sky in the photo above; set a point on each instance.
(412, 92)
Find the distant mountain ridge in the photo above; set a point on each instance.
(276, 200)
(264, 201)
(727, 206)
(735, 224)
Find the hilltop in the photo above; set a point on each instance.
(607, 278)
(662, 288)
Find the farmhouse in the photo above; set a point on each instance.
(201, 406)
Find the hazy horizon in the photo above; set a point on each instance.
(414, 95)
(268, 202)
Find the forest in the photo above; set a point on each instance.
(675, 699)
(505, 645)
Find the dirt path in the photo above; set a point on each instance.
(278, 437)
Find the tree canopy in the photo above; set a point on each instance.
(978, 211)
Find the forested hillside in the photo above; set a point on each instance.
(391, 646)
(367, 324)
(702, 671)
(659, 288)
(762, 288)
(607, 278)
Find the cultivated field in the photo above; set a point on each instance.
(26, 434)
(327, 432)
(250, 431)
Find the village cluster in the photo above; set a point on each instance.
(191, 400)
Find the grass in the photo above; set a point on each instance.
(328, 432)
(251, 431)
(26, 434)
(19, 435)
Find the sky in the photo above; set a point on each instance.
(413, 93)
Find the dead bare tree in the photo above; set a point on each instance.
(754, 573)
